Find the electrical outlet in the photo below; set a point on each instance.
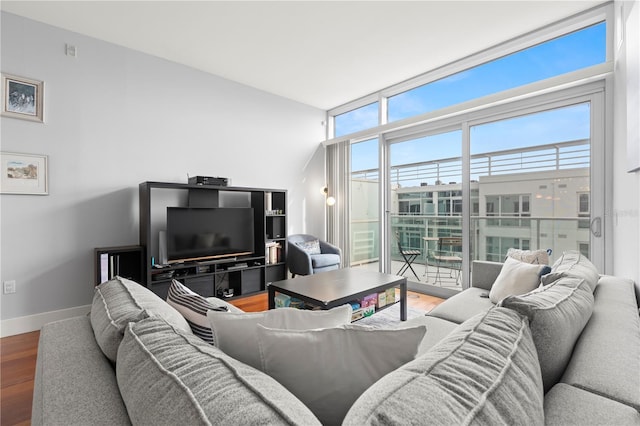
(9, 287)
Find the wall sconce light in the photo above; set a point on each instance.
(330, 200)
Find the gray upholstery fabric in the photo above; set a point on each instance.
(557, 314)
(437, 329)
(325, 260)
(566, 405)
(75, 383)
(485, 372)
(606, 358)
(170, 377)
(574, 264)
(120, 301)
(463, 305)
(484, 273)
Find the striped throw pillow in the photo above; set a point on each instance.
(193, 308)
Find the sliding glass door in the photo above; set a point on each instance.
(532, 174)
(425, 185)
(514, 177)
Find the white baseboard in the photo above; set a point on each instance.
(26, 324)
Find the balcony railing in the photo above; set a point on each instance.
(489, 240)
(556, 156)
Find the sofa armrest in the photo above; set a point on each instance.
(326, 247)
(484, 273)
(298, 260)
(74, 382)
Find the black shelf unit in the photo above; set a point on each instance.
(244, 274)
(125, 261)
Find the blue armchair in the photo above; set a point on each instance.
(308, 255)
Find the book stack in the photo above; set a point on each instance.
(272, 252)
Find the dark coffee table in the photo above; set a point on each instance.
(334, 288)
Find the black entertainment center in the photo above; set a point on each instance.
(217, 240)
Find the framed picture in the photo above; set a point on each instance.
(22, 98)
(23, 174)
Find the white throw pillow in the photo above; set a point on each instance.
(515, 278)
(329, 369)
(237, 334)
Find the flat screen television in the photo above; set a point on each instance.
(209, 233)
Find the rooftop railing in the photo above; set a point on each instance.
(549, 157)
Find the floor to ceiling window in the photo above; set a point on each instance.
(523, 169)
(532, 174)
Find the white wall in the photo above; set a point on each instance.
(625, 212)
(114, 118)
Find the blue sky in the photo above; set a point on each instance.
(565, 54)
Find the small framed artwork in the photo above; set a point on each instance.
(22, 98)
(23, 174)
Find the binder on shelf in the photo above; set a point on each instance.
(104, 267)
(268, 201)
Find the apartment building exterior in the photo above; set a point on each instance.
(534, 198)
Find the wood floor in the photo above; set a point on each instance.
(18, 360)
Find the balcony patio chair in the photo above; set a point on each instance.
(307, 255)
(446, 257)
(409, 255)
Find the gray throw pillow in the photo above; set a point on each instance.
(120, 301)
(574, 264)
(168, 377)
(557, 314)
(485, 372)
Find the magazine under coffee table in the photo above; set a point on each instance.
(338, 287)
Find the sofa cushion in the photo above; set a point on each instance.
(485, 372)
(610, 341)
(437, 329)
(464, 305)
(324, 260)
(193, 308)
(340, 363)
(573, 264)
(515, 278)
(567, 405)
(557, 314)
(74, 382)
(170, 377)
(538, 257)
(120, 301)
(237, 333)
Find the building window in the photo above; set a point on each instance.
(584, 212)
(509, 208)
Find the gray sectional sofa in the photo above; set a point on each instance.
(565, 353)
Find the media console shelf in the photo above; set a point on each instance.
(244, 274)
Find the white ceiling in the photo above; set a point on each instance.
(322, 53)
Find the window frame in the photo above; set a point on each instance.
(593, 84)
(600, 13)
